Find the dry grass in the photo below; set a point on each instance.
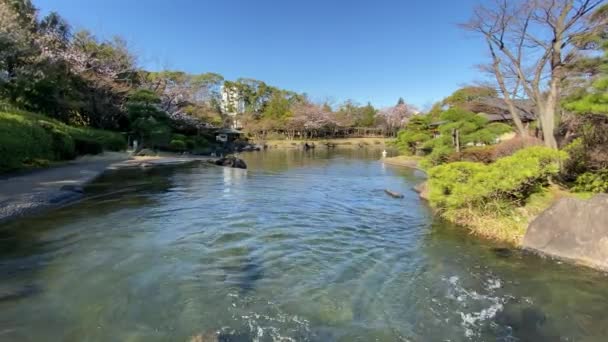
(407, 161)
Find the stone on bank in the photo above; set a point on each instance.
(574, 230)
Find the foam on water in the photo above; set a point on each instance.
(273, 325)
(475, 309)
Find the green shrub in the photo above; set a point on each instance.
(190, 143)
(87, 146)
(179, 137)
(438, 156)
(110, 141)
(508, 181)
(595, 182)
(589, 151)
(447, 183)
(201, 145)
(508, 147)
(484, 154)
(63, 145)
(36, 163)
(22, 139)
(177, 145)
(28, 136)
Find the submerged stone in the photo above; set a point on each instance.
(526, 323)
(502, 252)
(222, 337)
(333, 312)
(393, 194)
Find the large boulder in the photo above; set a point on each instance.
(574, 230)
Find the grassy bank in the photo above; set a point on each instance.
(343, 142)
(508, 226)
(497, 200)
(32, 140)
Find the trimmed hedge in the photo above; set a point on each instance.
(87, 146)
(509, 181)
(177, 145)
(594, 182)
(27, 136)
(481, 154)
(21, 140)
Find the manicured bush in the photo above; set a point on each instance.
(22, 139)
(589, 150)
(491, 153)
(201, 145)
(179, 137)
(595, 182)
(508, 147)
(87, 146)
(177, 145)
(483, 154)
(110, 141)
(508, 181)
(190, 143)
(36, 163)
(438, 156)
(63, 145)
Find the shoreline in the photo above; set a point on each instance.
(474, 222)
(326, 143)
(35, 192)
(411, 162)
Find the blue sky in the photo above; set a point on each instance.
(373, 51)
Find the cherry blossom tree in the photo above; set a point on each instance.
(394, 118)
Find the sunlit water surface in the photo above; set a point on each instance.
(303, 246)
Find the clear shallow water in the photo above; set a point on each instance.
(303, 246)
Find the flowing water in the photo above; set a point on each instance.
(303, 246)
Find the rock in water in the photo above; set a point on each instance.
(423, 190)
(231, 162)
(574, 230)
(393, 194)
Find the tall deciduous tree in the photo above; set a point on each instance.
(530, 43)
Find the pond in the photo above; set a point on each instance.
(303, 246)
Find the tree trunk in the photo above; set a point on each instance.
(547, 120)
